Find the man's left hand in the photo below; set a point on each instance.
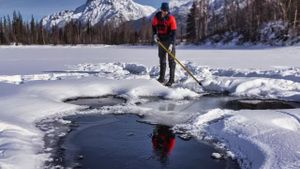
(170, 47)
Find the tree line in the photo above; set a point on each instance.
(244, 17)
(16, 31)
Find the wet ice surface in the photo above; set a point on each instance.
(260, 104)
(96, 102)
(188, 109)
(119, 141)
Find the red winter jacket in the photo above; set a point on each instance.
(164, 27)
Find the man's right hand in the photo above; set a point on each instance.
(155, 38)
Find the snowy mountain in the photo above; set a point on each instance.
(181, 8)
(118, 11)
(100, 11)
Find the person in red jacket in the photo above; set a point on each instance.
(164, 30)
(163, 142)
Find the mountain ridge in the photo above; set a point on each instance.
(100, 11)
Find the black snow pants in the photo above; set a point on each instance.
(163, 61)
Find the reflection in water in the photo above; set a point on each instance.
(163, 141)
(167, 107)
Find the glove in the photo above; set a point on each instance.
(155, 38)
(170, 47)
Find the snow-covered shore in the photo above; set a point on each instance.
(34, 81)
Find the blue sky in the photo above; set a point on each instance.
(40, 8)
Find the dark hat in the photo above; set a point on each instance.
(164, 6)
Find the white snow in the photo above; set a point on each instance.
(263, 139)
(35, 80)
(216, 155)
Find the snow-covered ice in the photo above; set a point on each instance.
(34, 82)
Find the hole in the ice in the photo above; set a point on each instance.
(110, 141)
(120, 141)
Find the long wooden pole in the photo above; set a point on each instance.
(185, 68)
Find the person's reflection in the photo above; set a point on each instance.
(167, 107)
(163, 141)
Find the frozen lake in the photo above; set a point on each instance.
(36, 80)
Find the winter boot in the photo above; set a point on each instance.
(162, 72)
(161, 79)
(170, 82)
(172, 75)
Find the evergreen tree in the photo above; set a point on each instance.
(191, 23)
(1, 32)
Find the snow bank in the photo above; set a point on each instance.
(281, 83)
(268, 142)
